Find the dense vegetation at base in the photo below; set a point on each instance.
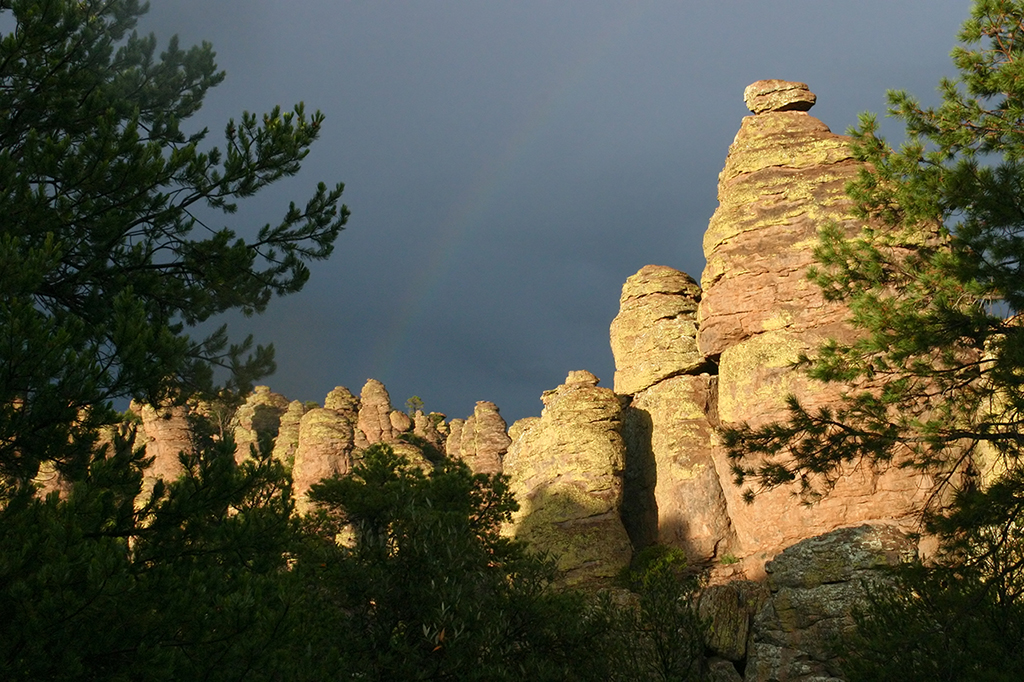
(110, 255)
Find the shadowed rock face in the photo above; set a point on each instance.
(565, 469)
(670, 430)
(813, 586)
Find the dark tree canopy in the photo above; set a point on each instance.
(105, 263)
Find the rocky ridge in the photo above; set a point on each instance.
(604, 472)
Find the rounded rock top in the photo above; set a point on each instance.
(767, 96)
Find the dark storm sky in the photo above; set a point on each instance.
(509, 164)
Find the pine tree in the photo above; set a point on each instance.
(109, 256)
(108, 251)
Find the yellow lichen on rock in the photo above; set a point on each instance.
(565, 470)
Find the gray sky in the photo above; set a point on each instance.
(509, 164)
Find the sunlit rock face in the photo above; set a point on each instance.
(565, 470)
(258, 418)
(166, 433)
(784, 179)
(481, 440)
(654, 335)
(325, 447)
(375, 413)
(602, 473)
(287, 441)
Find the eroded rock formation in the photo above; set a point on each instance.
(482, 440)
(258, 418)
(166, 433)
(784, 179)
(812, 586)
(566, 471)
(602, 473)
(654, 335)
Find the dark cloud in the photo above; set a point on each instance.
(509, 164)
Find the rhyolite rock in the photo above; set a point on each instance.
(375, 413)
(670, 433)
(784, 178)
(166, 433)
(565, 470)
(400, 422)
(814, 587)
(425, 427)
(654, 335)
(730, 609)
(481, 440)
(326, 443)
(287, 441)
(258, 418)
(453, 443)
(342, 401)
(775, 95)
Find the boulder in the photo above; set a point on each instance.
(565, 470)
(654, 335)
(400, 422)
(341, 400)
(775, 95)
(814, 587)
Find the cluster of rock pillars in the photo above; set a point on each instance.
(604, 472)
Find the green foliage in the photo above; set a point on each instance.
(414, 405)
(935, 285)
(729, 559)
(188, 586)
(661, 636)
(940, 624)
(108, 257)
(428, 587)
(107, 252)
